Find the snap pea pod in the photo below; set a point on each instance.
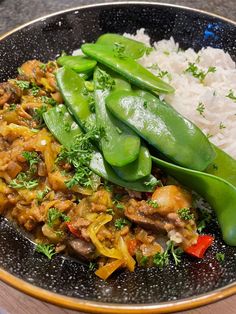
(161, 126)
(80, 64)
(127, 67)
(120, 145)
(139, 168)
(223, 166)
(61, 124)
(132, 48)
(74, 93)
(104, 170)
(219, 193)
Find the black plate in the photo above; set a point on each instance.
(45, 39)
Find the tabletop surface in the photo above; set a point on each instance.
(17, 12)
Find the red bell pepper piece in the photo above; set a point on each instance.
(132, 245)
(199, 249)
(73, 230)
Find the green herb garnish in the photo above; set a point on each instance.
(105, 81)
(222, 126)
(12, 107)
(79, 155)
(220, 257)
(46, 249)
(119, 50)
(92, 266)
(152, 203)
(185, 214)
(53, 216)
(198, 73)
(38, 115)
(201, 108)
(110, 211)
(121, 222)
(33, 159)
(48, 100)
(143, 260)
(162, 259)
(22, 182)
(41, 194)
(23, 84)
(231, 95)
(34, 89)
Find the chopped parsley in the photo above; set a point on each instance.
(67, 127)
(110, 211)
(185, 214)
(12, 107)
(162, 74)
(46, 249)
(121, 222)
(22, 182)
(197, 72)
(220, 257)
(49, 100)
(222, 126)
(145, 104)
(105, 81)
(152, 203)
(23, 84)
(143, 260)
(54, 215)
(201, 108)
(92, 266)
(119, 50)
(43, 66)
(38, 115)
(34, 89)
(162, 259)
(231, 95)
(41, 194)
(33, 159)
(154, 66)
(79, 155)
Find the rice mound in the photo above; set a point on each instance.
(206, 104)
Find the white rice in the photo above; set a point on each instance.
(218, 119)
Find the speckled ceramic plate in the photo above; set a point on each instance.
(67, 282)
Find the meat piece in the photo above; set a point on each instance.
(163, 216)
(138, 213)
(84, 250)
(9, 93)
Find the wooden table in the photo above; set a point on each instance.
(19, 11)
